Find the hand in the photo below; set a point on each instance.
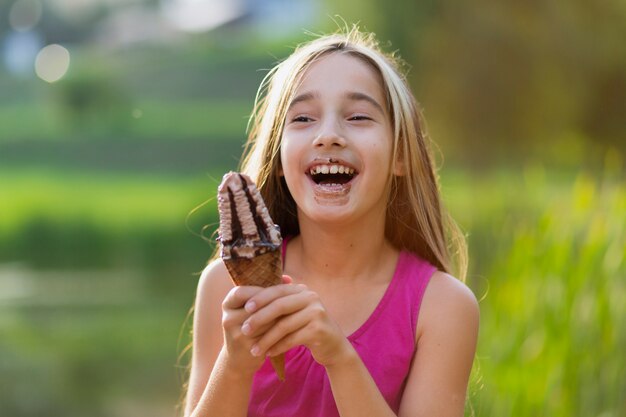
(237, 346)
(285, 316)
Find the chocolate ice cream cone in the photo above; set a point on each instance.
(250, 240)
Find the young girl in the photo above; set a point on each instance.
(369, 319)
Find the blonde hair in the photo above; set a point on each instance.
(415, 219)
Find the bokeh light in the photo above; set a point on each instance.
(25, 14)
(19, 50)
(198, 16)
(52, 63)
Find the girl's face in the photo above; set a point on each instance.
(337, 142)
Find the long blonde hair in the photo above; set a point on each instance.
(415, 219)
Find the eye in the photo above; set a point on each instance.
(359, 117)
(301, 119)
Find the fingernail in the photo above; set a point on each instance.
(250, 306)
(245, 329)
(255, 350)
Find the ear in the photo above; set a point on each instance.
(398, 167)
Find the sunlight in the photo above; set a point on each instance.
(52, 63)
(25, 14)
(197, 16)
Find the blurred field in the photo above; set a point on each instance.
(99, 272)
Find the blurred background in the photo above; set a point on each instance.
(119, 117)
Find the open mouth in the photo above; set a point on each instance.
(332, 174)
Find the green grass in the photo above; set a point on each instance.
(27, 120)
(227, 118)
(61, 219)
(116, 202)
(47, 119)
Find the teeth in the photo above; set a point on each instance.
(331, 169)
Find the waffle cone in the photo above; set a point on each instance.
(264, 271)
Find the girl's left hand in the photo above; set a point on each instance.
(286, 316)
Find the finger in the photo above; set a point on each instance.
(325, 343)
(282, 335)
(287, 279)
(269, 294)
(258, 330)
(238, 296)
(288, 342)
(265, 317)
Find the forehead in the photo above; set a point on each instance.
(338, 72)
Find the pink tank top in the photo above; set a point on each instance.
(385, 343)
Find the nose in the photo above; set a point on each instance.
(330, 135)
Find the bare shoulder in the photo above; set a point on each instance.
(450, 309)
(448, 303)
(214, 282)
(213, 287)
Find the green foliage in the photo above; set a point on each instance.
(93, 103)
(553, 302)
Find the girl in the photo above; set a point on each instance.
(368, 317)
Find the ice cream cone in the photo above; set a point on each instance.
(250, 240)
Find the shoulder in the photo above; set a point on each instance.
(448, 304)
(213, 286)
(214, 282)
(444, 287)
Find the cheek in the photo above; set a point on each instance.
(284, 148)
(291, 145)
(288, 157)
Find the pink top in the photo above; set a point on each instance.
(385, 343)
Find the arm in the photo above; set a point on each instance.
(447, 333)
(356, 394)
(220, 381)
(292, 315)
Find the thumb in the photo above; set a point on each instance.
(287, 279)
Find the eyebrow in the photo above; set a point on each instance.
(356, 96)
(353, 96)
(301, 98)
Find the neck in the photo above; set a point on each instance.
(342, 251)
